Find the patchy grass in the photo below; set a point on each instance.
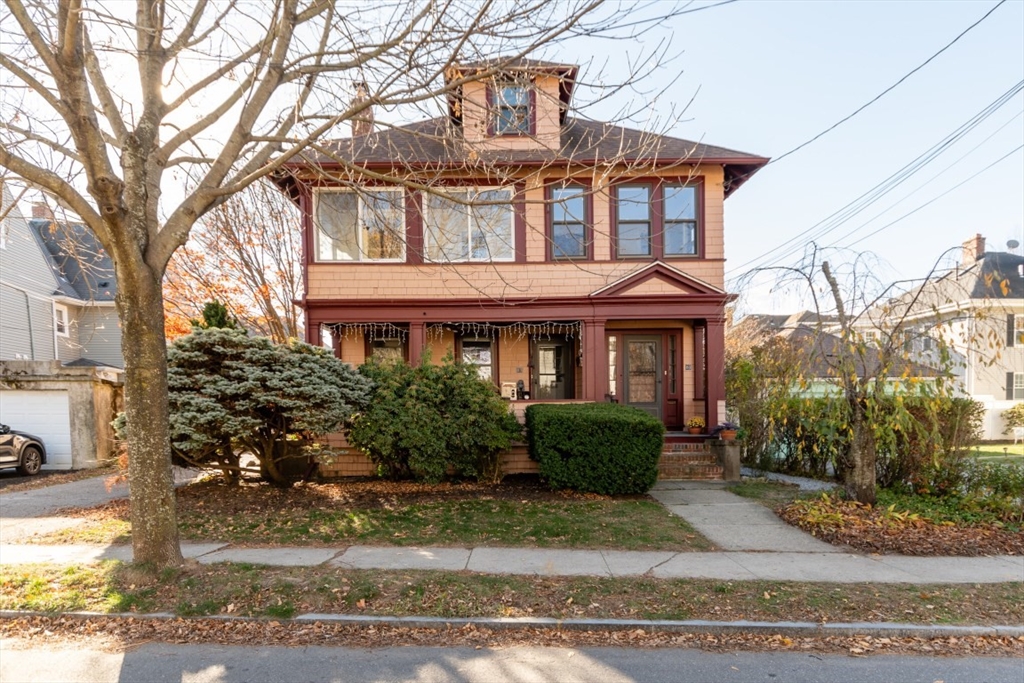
(345, 514)
(773, 494)
(1004, 453)
(281, 592)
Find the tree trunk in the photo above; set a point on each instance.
(150, 479)
(860, 476)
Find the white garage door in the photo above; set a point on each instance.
(43, 414)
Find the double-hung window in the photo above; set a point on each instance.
(511, 107)
(360, 225)
(1018, 386)
(634, 225)
(657, 219)
(568, 222)
(680, 216)
(469, 224)
(60, 320)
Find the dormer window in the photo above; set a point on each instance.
(511, 106)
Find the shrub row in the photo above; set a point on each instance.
(810, 437)
(602, 448)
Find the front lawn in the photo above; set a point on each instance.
(383, 513)
(282, 592)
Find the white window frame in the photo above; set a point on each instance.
(1018, 386)
(469, 227)
(1018, 330)
(58, 311)
(318, 234)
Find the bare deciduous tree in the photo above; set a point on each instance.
(246, 254)
(143, 117)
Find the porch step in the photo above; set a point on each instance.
(700, 465)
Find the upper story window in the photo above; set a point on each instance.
(363, 225)
(60, 320)
(657, 220)
(568, 212)
(511, 107)
(469, 224)
(1016, 330)
(634, 225)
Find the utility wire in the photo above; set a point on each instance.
(928, 182)
(865, 200)
(887, 90)
(935, 199)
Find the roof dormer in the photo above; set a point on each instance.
(516, 104)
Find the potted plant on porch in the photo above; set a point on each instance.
(696, 424)
(726, 431)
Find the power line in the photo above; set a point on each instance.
(868, 198)
(935, 199)
(887, 90)
(930, 180)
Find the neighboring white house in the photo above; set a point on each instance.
(57, 311)
(975, 312)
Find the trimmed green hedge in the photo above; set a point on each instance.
(602, 448)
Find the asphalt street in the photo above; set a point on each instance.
(155, 663)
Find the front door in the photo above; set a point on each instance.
(642, 373)
(552, 364)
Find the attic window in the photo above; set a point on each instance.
(511, 106)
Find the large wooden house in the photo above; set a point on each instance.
(566, 259)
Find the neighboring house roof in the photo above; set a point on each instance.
(994, 276)
(82, 267)
(438, 143)
(87, 363)
(819, 348)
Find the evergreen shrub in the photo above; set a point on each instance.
(429, 421)
(602, 448)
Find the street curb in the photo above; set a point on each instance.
(801, 629)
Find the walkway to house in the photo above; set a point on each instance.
(755, 543)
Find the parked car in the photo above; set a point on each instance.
(21, 450)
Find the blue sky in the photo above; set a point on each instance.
(773, 74)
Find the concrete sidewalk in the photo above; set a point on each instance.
(756, 544)
(832, 567)
(732, 522)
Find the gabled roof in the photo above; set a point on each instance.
(82, 267)
(995, 276)
(438, 144)
(657, 279)
(817, 348)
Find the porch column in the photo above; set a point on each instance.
(417, 340)
(312, 329)
(595, 361)
(715, 350)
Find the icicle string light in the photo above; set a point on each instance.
(371, 331)
(517, 331)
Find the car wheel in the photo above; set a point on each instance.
(31, 461)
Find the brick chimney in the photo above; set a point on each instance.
(41, 210)
(362, 121)
(973, 249)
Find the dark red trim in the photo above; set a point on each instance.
(699, 363)
(414, 227)
(686, 307)
(657, 215)
(305, 197)
(491, 108)
(588, 220)
(519, 220)
(658, 271)
(715, 354)
(532, 103)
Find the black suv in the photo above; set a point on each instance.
(21, 450)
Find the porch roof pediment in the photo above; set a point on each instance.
(656, 279)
